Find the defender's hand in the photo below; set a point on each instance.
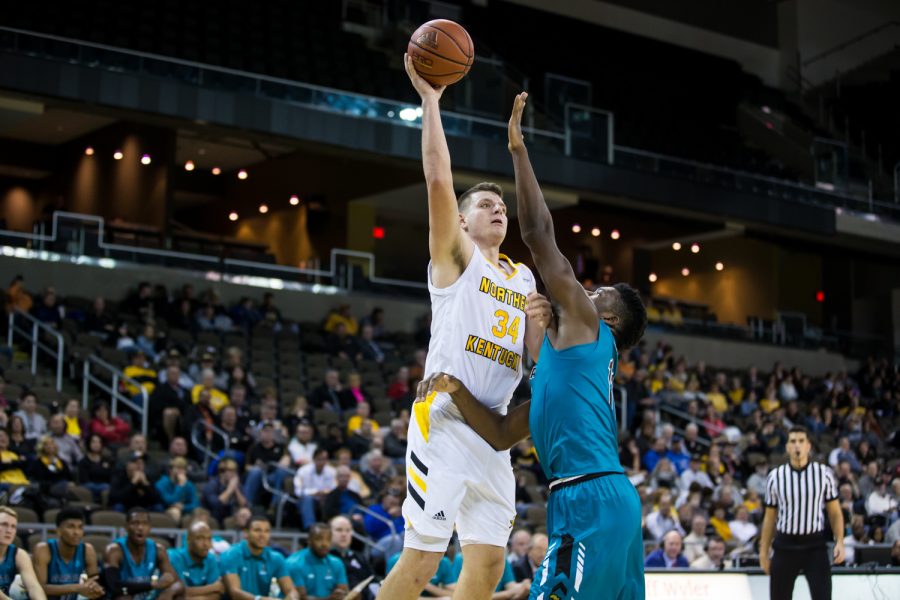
(516, 140)
(538, 310)
(438, 382)
(425, 89)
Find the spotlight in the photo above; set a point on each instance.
(189, 165)
(685, 271)
(146, 160)
(216, 171)
(263, 208)
(595, 232)
(653, 278)
(695, 248)
(232, 216)
(614, 234)
(89, 151)
(408, 114)
(576, 228)
(118, 155)
(676, 246)
(720, 266)
(242, 174)
(295, 200)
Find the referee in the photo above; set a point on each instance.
(796, 494)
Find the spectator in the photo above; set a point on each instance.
(664, 475)
(67, 447)
(236, 436)
(222, 495)
(652, 456)
(50, 472)
(302, 445)
(95, 469)
(217, 398)
(361, 440)
(356, 565)
(691, 444)
(341, 499)
(12, 466)
(264, 453)
(268, 415)
(526, 566)
(376, 471)
(124, 340)
(895, 554)
(138, 445)
(719, 521)
(340, 344)
(389, 509)
(399, 390)
(132, 488)
(519, 543)
(244, 314)
(843, 452)
(208, 320)
(714, 558)
(368, 348)
(300, 413)
(881, 501)
(170, 402)
(893, 533)
(678, 456)
(757, 481)
(357, 483)
(669, 555)
(98, 321)
(199, 414)
(354, 395)
(269, 311)
(18, 443)
(17, 297)
(139, 370)
(375, 320)
(35, 424)
(238, 399)
(440, 585)
(717, 399)
(146, 342)
(341, 316)
(196, 565)
(664, 519)
(178, 448)
(507, 589)
(363, 411)
(312, 483)
(395, 441)
(75, 427)
(249, 567)
(178, 493)
(328, 394)
(695, 542)
(207, 361)
(48, 311)
(869, 480)
(313, 568)
(334, 438)
(741, 527)
(858, 537)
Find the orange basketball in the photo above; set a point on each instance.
(442, 51)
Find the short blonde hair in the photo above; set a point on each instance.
(5, 510)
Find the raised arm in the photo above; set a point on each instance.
(536, 225)
(502, 432)
(450, 249)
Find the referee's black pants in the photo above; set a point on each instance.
(788, 564)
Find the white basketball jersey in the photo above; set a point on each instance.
(478, 331)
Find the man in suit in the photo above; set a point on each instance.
(669, 555)
(524, 567)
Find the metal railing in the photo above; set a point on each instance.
(200, 444)
(112, 389)
(33, 336)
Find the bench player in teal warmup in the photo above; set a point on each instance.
(594, 513)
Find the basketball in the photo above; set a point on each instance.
(442, 51)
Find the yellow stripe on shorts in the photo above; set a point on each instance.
(415, 477)
(422, 412)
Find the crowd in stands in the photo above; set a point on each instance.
(226, 443)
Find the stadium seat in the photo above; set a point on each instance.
(162, 520)
(109, 518)
(50, 515)
(26, 515)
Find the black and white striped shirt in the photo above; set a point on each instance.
(800, 497)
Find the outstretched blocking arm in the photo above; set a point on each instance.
(502, 432)
(536, 225)
(450, 249)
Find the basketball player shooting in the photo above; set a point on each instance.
(479, 301)
(593, 513)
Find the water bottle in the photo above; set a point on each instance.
(274, 589)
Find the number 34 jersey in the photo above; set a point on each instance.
(478, 330)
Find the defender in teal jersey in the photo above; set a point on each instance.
(60, 563)
(594, 513)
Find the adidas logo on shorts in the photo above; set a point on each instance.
(439, 516)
